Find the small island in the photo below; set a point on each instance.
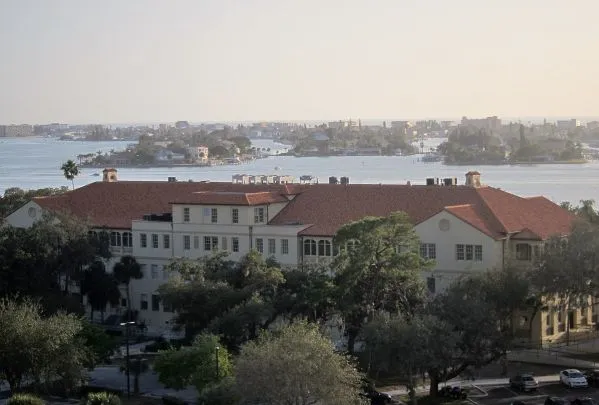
(511, 144)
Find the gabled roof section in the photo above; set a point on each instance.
(232, 198)
(116, 204)
(496, 213)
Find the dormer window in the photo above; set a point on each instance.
(523, 251)
(259, 215)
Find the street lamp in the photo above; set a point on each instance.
(127, 367)
(217, 370)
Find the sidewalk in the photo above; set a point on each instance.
(549, 357)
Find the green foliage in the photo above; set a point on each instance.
(194, 365)
(471, 145)
(100, 345)
(296, 364)
(15, 197)
(221, 393)
(124, 271)
(25, 399)
(102, 398)
(37, 345)
(100, 287)
(233, 300)
(377, 270)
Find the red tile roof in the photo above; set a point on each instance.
(116, 204)
(232, 198)
(492, 211)
(323, 207)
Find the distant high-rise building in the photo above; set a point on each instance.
(488, 123)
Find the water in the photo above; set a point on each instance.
(35, 163)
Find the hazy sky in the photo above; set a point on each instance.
(117, 61)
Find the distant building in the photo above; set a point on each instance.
(181, 124)
(198, 153)
(593, 125)
(166, 155)
(488, 123)
(567, 125)
(13, 131)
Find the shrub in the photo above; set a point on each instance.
(102, 398)
(221, 393)
(25, 399)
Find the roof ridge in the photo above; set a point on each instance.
(458, 206)
(488, 206)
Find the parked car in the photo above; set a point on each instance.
(524, 382)
(592, 377)
(556, 401)
(375, 397)
(584, 401)
(573, 378)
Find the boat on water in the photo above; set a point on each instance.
(95, 174)
(431, 157)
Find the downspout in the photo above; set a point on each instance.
(251, 236)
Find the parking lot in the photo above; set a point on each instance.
(503, 395)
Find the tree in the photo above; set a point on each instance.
(100, 345)
(15, 197)
(100, 287)
(232, 299)
(296, 365)
(195, 365)
(377, 270)
(476, 312)
(124, 271)
(70, 171)
(35, 346)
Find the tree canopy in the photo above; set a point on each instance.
(296, 365)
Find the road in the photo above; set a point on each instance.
(503, 395)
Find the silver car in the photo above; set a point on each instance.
(524, 382)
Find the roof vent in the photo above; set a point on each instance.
(450, 181)
(430, 181)
(333, 180)
(344, 180)
(172, 179)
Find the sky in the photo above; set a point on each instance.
(122, 61)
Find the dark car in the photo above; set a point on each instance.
(584, 401)
(556, 401)
(375, 397)
(524, 382)
(592, 377)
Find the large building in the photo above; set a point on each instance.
(463, 228)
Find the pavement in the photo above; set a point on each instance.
(503, 395)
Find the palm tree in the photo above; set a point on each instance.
(100, 287)
(70, 170)
(124, 271)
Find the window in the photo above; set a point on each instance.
(284, 246)
(165, 273)
(143, 303)
(143, 267)
(214, 215)
(155, 240)
(155, 302)
(166, 307)
(127, 239)
(428, 251)
(186, 215)
(523, 251)
(166, 241)
(469, 252)
(186, 242)
(143, 240)
(431, 284)
(272, 246)
(235, 215)
(324, 248)
(115, 239)
(235, 244)
(260, 245)
(224, 243)
(210, 243)
(154, 271)
(309, 247)
(478, 253)
(258, 215)
(207, 212)
(196, 242)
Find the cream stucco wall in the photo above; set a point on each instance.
(25, 216)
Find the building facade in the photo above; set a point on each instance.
(462, 228)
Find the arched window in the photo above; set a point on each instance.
(309, 247)
(115, 239)
(324, 248)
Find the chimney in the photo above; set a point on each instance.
(109, 175)
(473, 179)
(172, 179)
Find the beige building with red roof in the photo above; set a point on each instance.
(464, 228)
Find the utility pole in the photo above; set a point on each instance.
(217, 368)
(127, 363)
